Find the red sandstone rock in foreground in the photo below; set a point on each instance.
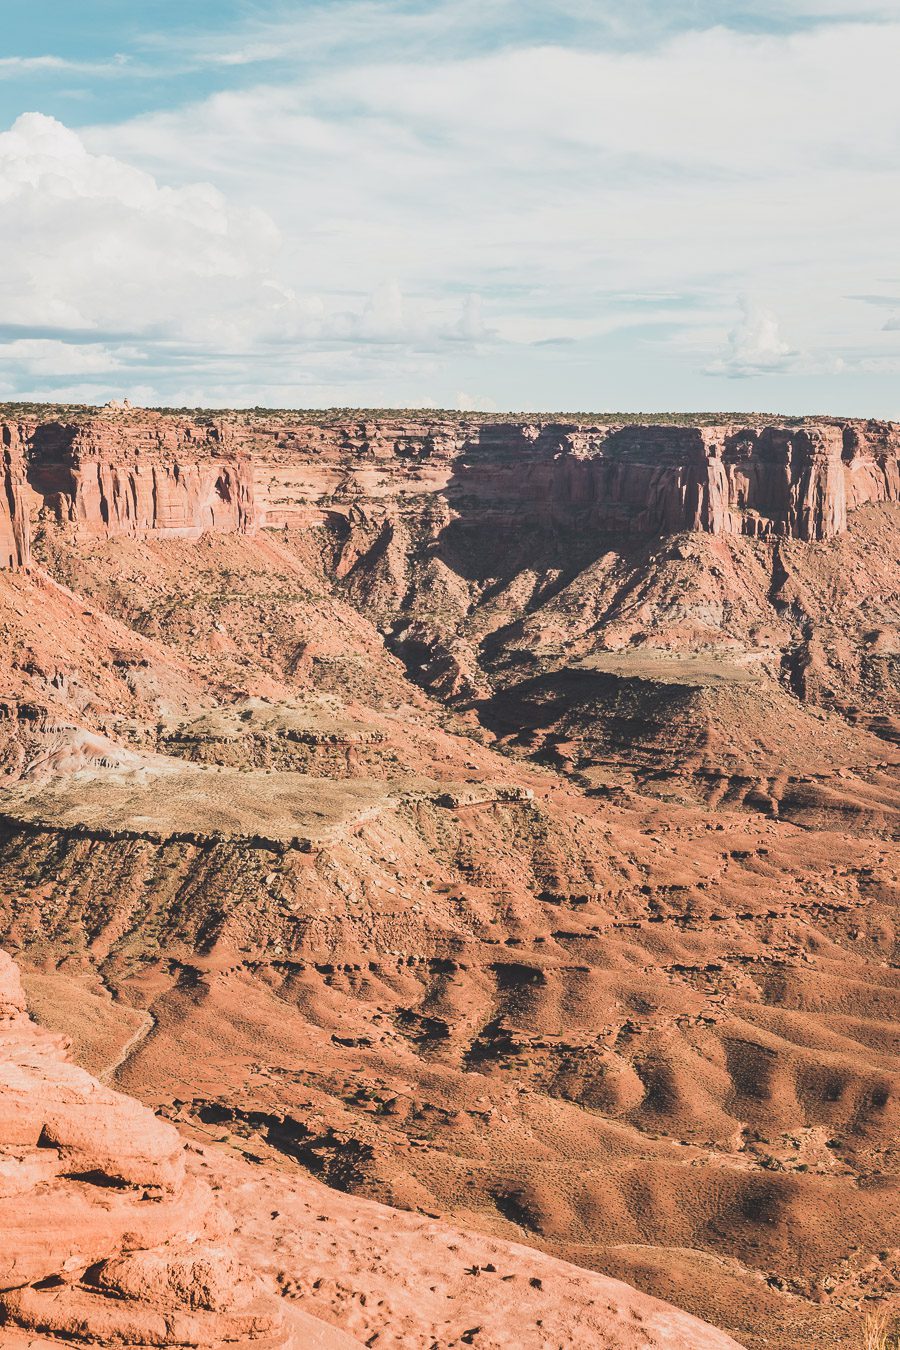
(112, 1235)
(106, 1238)
(415, 1282)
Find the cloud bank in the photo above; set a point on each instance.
(597, 224)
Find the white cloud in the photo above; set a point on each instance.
(12, 66)
(90, 242)
(765, 104)
(346, 227)
(384, 315)
(345, 31)
(871, 11)
(51, 357)
(93, 244)
(16, 64)
(755, 346)
(471, 325)
(715, 163)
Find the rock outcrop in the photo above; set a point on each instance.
(107, 1239)
(771, 481)
(140, 474)
(15, 528)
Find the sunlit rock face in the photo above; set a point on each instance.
(107, 1239)
(143, 473)
(15, 529)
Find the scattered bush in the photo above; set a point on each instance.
(880, 1331)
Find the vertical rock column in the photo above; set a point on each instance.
(15, 528)
(818, 486)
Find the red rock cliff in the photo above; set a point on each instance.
(15, 531)
(145, 473)
(142, 474)
(766, 481)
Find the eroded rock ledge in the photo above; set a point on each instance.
(147, 473)
(107, 1239)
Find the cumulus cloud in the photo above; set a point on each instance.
(755, 346)
(384, 315)
(169, 279)
(91, 242)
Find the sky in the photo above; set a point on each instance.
(536, 205)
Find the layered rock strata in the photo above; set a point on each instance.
(15, 525)
(146, 473)
(771, 481)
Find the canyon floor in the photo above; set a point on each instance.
(480, 895)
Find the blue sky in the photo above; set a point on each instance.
(480, 203)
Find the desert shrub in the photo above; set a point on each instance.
(880, 1331)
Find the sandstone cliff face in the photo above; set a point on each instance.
(146, 473)
(15, 529)
(759, 481)
(142, 475)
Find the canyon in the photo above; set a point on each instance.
(481, 831)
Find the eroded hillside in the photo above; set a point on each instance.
(116, 1232)
(496, 821)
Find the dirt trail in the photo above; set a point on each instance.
(148, 1025)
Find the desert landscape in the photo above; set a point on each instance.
(449, 879)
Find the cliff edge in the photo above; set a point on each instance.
(147, 473)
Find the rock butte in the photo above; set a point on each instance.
(493, 820)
